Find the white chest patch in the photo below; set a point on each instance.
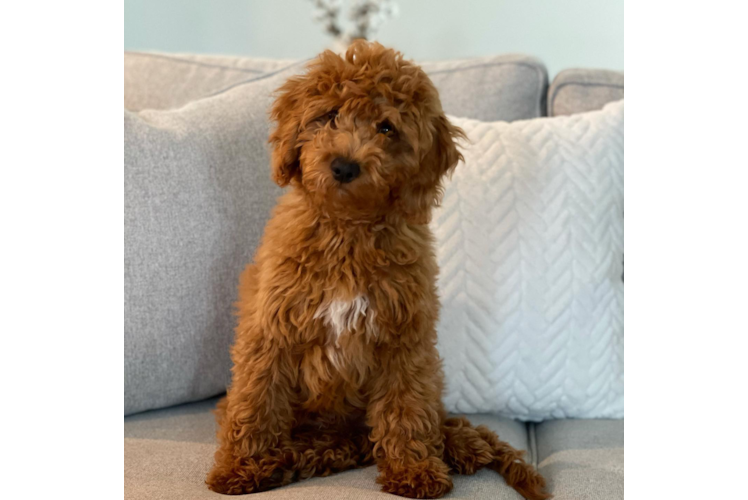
(342, 316)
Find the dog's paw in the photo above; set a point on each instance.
(249, 478)
(230, 481)
(426, 479)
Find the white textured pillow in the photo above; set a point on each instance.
(530, 244)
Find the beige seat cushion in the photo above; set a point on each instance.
(169, 452)
(581, 459)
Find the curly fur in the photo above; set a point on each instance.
(335, 360)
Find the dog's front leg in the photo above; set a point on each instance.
(405, 414)
(255, 425)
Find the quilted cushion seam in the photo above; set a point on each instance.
(532, 444)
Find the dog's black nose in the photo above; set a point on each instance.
(344, 170)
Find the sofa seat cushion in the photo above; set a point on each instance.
(581, 459)
(168, 454)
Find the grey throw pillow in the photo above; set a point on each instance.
(197, 196)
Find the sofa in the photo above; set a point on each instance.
(172, 384)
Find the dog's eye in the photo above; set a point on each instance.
(331, 115)
(385, 128)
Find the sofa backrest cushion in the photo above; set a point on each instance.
(580, 90)
(168, 81)
(505, 87)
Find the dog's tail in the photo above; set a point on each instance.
(469, 448)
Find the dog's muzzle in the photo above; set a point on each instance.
(344, 171)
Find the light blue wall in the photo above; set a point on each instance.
(563, 33)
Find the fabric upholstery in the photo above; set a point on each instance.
(579, 90)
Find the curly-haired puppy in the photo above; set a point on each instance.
(335, 363)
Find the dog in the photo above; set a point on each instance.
(335, 359)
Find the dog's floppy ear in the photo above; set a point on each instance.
(444, 154)
(286, 112)
(425, 190)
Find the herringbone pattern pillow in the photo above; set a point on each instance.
(530, 244)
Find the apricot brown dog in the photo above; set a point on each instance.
(335, 360)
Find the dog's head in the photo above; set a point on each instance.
(363, 136)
